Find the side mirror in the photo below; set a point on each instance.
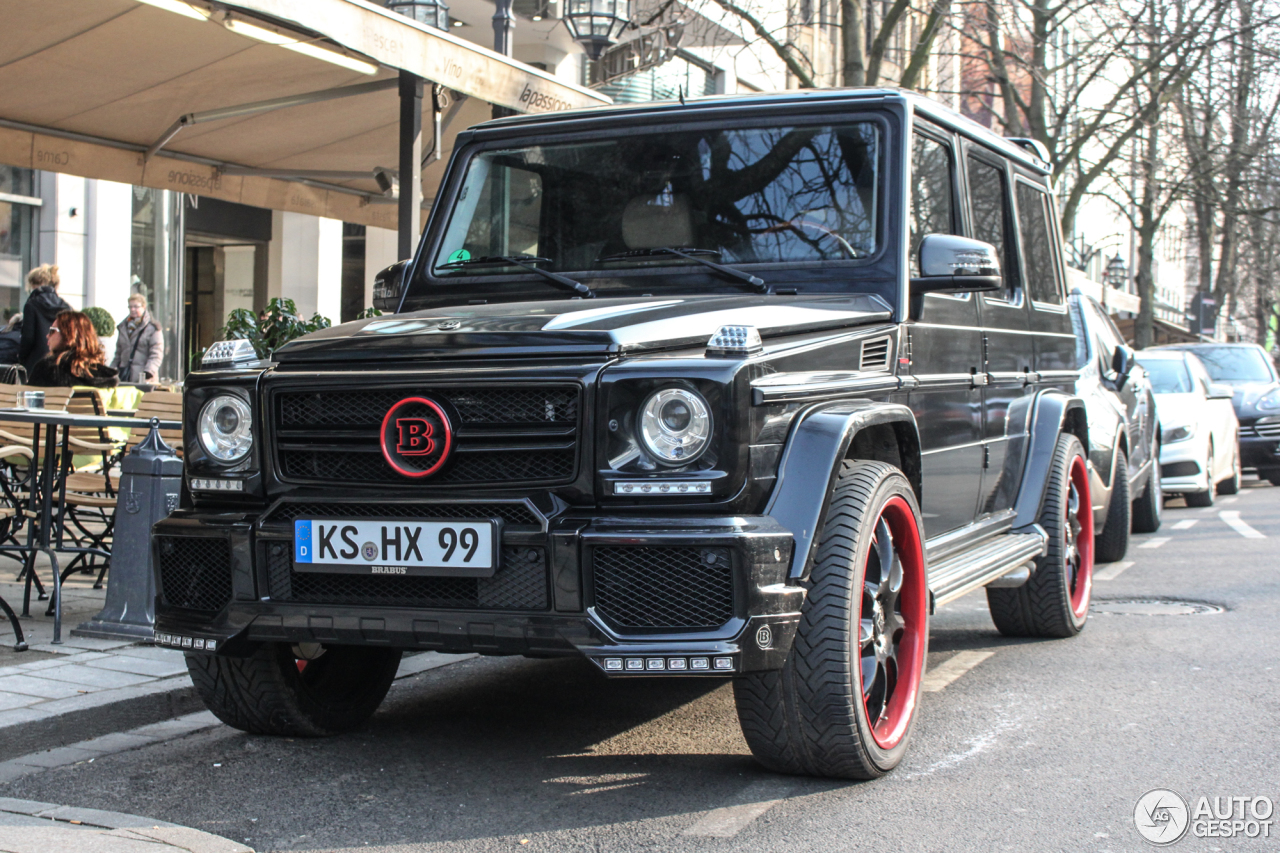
(951, 264)
(388, 286)
(1122, 363)
(1218, 391)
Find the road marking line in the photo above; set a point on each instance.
(1232, 518)
(1186, 524)
(1155, 543)
(729, 821)
(951, 669)
(1112, 571)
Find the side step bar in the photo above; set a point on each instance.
(964, 572)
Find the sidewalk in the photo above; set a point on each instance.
(27, 826)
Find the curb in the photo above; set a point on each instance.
(111, 831)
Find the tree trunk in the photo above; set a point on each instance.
(854, 41)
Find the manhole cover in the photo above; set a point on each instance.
(1152, 607)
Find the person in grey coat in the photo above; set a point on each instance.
(139, 344)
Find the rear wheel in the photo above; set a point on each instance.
(1204, 498)
(1054, 602)
(305, 690)
(1149, 507)
(844, 703)
(1111, 544)
(1231, 485)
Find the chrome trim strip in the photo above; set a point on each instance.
(791, 387)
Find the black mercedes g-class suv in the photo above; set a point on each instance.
(738, 387)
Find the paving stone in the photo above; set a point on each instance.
(83, 675)
(193, 840)
(10, 804)
(107, 819)
(60, 757)
(16, 700)
(10, 770)
(105, 697)
(151, 653)
(35, 685)
(60, 838)
(18, 716)
(115, 742)
(141, 666)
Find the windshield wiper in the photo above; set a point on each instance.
(526, 262)
(692, 255)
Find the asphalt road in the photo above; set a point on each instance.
(1040, 745)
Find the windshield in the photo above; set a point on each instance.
(1235, 364)
(736, 195)
(1168, 376)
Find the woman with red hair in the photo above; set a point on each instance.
(75, 356)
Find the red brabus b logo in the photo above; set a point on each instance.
(416, 437)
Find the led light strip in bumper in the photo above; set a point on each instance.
(195, 644)
(640, 665)
(204, 485)
(662, 487)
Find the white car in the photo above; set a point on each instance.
(1199, 436)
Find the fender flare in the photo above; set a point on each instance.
(819, 441)
(1055, 412)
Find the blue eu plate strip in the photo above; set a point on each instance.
(302, 541)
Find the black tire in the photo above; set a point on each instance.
(270, 693)
(1148, 509)
(1274, 479)
(811, 717)
(1231, 485)
(1205, 498)
(1111, 544)
(1054, 602)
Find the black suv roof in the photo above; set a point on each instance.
(788, 99)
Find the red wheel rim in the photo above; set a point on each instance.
(892, 615)
(1079, 545)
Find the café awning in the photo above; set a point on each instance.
(285, 104)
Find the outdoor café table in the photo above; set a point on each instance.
(41, 499)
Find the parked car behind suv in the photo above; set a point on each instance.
(740, 387)
(1123, 431)
(1199, 435)
(1256, 396)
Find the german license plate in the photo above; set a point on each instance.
(461, 548)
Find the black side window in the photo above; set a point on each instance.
(989, 210)
(932, 200)
(1037, 245)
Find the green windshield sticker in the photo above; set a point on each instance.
(460, 255)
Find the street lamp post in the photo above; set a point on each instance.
(596, 24)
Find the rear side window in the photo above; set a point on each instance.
(989, 211)
(1037, 245)
(932, 199)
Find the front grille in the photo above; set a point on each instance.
(652, 588)
(504, 435)
(1264, 429)
(1180, 469)
(520, 583)
(195, 573)
(511, 513)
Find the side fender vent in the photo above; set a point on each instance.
(875, 355)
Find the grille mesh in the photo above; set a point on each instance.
(512, 513)
(519, 584)
(1265, 429)
(673, 588)
(505, 435)
(194, 572)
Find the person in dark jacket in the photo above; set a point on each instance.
(75, 356)
(43, 305)
(11, 340)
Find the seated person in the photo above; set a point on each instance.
(75, 356)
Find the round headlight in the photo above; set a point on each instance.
(675, 425)
(225, 428)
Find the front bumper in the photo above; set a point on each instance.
(1182, 466)
(569, 599)
(1260, 444)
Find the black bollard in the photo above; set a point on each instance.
(150, 480)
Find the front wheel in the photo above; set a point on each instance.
(1111, 544)
(1054, 602)
(1205, 498)
(1148, 509)
(307, 690)
(844, 702)
(1231, 485)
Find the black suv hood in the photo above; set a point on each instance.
(596, 327)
